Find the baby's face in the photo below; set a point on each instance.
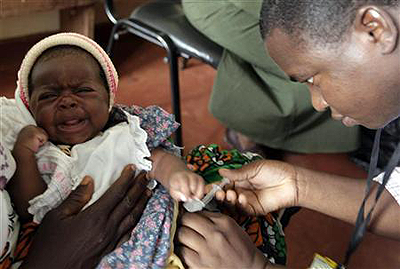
(69, 99)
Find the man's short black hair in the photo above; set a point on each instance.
(321, 21)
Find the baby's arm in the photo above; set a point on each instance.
(27, 181)
(173, 174)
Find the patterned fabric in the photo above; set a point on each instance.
(25, 238)
(7, 166)
(8, 218)
(150, 242)
(10, 230)
(207, 160)
(265, 231)
(158, 124)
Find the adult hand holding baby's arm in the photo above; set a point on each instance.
(71, 238)
(261, 187)
(27, 181)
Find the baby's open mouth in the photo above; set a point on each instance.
(72, 125)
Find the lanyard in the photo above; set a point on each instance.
(361, 222)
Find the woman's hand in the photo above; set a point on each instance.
(261, 187)
(71, 238)
(214, 240)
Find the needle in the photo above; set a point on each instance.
(197, 204)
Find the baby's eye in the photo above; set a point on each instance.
(310, 80)
(83, 90)
(47, 96)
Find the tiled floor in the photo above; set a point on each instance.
(144, 80)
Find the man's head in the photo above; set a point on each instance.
(346, 51)
(68, 94)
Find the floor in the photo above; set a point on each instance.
(144, 80)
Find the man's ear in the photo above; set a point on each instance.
(379, 25)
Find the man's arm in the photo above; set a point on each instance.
(341, 197)
(264, 186)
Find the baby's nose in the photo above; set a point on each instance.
(67, 102)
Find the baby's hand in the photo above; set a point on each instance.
(185, 185)
(31, 137)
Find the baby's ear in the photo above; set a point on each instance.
(380, 27)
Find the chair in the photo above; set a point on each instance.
(163, 23)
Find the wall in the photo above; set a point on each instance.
(42, 22)
(13, 27)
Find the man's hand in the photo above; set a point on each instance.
(261, 187)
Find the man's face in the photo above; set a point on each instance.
(69, 99)
(357, 82)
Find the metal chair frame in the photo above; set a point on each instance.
(154, 36)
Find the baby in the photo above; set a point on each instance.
(65, 93)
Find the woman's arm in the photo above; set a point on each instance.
(71, 238)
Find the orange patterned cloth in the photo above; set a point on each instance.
(265, 231)
(25, 238)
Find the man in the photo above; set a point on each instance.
(348, 53)
(263, 110)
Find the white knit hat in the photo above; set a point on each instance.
(72, 39)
